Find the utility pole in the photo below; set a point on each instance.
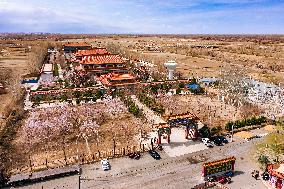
(114, 147)
(232, 140)
(79, 182)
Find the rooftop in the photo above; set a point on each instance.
(118, 79)
(78, 44)
(101, 59)
(47, 68)
(276, 170)
(94, 51)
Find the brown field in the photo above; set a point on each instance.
(261, 57)
(13, 62)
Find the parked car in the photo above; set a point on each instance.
(216, 141)
(131, 155)
(105, 164)
(207, 142)
(134, 155)
(154, 154)
(137, 156)
(265, 176)
(223, 139)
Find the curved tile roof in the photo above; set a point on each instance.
(95, 51)
(102, 59)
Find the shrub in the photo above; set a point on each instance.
(204, 132)
(246, 122)
(55, 70)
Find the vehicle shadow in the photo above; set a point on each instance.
(236, 173)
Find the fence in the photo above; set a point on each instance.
(78, 159)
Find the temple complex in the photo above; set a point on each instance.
(103, 64)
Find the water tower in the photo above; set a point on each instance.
(171, 66)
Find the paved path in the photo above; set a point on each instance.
(178, 172)
(151, 116)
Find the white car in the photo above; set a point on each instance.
(105, 164)
(207, 142)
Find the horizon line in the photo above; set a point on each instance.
(50, 33)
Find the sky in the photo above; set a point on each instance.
(143, 16)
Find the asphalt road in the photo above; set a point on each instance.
(178, 172)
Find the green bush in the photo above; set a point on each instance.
(151, 103)
(215, 130)
(204, 132)
(132, 108)
(55, 70)
(246, 122)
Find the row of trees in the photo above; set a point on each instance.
(37, 56)
(206, 132)
(132, 107)
(245, 122)
(151, 103)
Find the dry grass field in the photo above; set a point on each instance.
(261, 57)
(13, 65)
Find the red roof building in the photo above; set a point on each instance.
(276, 172)
(73, 47)
(115, 80)
(90, 52)
(103, 64)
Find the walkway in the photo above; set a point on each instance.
(150, 115)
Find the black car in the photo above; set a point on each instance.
(154, 154)
(223, 139)
(265, 176)
(216, 141)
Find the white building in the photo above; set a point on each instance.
(46, 72)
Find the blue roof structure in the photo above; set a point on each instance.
(192, 86)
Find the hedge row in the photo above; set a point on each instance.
(151, 103)
(132, 108)
(246, 122)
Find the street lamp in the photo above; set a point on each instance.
(232, 140)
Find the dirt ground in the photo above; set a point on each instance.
(13, 61)
(207, 108)
(199, 56)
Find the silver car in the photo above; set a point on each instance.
(105, 164)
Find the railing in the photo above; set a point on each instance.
(76, 159)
